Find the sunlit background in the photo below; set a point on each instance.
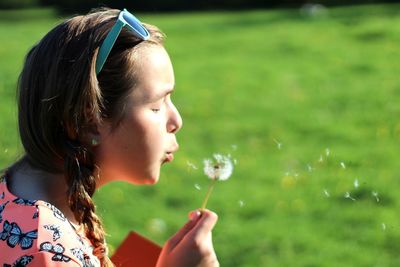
(303, 97)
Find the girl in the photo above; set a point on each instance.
(95, 106)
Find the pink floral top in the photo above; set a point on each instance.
(35, 233)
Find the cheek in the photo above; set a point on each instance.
(135, 149)
(146, 139)
(151, 138)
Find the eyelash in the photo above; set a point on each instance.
(157, 110)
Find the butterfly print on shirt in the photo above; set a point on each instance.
(56, 231)
(14, 236)
(2, 207)
(80, 240)
(25, 202)
(36, 214)
(56, 249)
(82, 257)
(6, 230)
(21, 262)
(56, 212)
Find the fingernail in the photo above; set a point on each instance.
(194, 215)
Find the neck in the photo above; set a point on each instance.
(27, 182)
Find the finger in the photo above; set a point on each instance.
(193, 215)
(204, 225)
(174, 240)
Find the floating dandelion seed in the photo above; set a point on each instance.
(342, 165)
(5, 150)
(321, 159)
(309, 168)
(197, 186)
(347, 195)
(191, 165)
(327, 152)
(356, 183)
(241, 203)
(326, 193)
(234, 147)
(376, 196)
(219, 169)
(383, 226)
(278, 144)
(235, 161)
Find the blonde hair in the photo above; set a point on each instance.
(60, 98)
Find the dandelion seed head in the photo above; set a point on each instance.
(220, 168)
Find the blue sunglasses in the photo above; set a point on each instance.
(125, 18)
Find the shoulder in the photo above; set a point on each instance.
(37, 232)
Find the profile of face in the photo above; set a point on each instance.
(145, 139)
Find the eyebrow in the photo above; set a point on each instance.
(167, 91)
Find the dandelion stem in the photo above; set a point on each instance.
(210, 188)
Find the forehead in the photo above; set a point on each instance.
(154, 73)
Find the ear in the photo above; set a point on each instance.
(92, 136)
(96, 132)
(90, 133)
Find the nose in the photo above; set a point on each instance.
(175, 120)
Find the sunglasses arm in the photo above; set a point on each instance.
(107, 45)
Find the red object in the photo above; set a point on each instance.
(136, 251)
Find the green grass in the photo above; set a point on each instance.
(250, 79)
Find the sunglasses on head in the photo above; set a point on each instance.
(125, 18)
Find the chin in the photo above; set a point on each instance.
(148, 180)
(151, 182)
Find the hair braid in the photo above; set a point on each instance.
(79, 169)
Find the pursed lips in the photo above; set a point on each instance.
(169, 155)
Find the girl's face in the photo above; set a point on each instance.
(145, 138)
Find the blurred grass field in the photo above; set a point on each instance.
(307, 105)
